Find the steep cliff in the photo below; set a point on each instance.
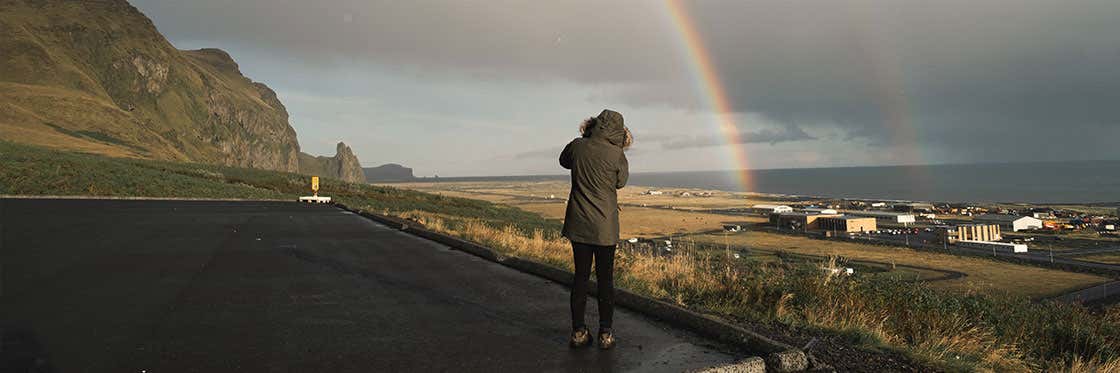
(96, 76)
(343, 165)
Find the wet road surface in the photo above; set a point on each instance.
(171, 286)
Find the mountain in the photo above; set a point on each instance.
(388, 172)
(97, 76)
(343, 165)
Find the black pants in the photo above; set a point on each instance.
(604, 277)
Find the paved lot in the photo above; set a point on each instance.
(128, 286)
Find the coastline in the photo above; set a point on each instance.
(1085, 183)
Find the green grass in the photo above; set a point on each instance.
(30, 170)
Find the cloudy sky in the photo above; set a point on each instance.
(497, 87)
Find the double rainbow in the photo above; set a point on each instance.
(709, 83)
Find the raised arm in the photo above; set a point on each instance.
(623, 171)
(566, 156)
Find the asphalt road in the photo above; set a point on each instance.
(165, 286)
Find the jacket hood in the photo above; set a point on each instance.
(609, 125)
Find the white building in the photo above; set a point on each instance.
(885, 216)
(819, 210)
(995, 246)
(771, 209)
(1042, 215)
(1013, 223)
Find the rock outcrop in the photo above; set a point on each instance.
(388, 172)
(343, 165)
(97, 76)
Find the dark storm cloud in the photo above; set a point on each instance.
(582, 40)
(765, 135)
(1003, 74)
(542, 153)
(999, 76)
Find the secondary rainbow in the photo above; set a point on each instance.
(707, 77)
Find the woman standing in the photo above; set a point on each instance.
(599, 169)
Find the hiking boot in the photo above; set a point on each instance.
(580, 338)
(606, 340)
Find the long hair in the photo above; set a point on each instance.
(589, 123)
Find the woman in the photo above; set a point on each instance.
(599, 169)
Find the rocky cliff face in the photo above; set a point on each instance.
(343, 165)
(96, 76)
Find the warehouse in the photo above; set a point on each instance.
(819, 210)
(995, 246)
(850, 224)
(771, 209)
(913, 207)
(972, 232)
(1013, 223)
(885, 217)
(797, 220)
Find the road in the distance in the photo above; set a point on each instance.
(161, 286)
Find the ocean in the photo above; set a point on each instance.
(1041, 182)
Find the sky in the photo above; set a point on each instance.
(497, 87)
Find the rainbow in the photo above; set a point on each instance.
(712, 88)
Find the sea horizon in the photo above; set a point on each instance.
(1050, 182)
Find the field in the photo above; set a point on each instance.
(1112, 258)
(646, 222)
(980, 275)
(948, 330)
(628, 196)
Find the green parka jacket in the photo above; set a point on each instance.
(599, 169)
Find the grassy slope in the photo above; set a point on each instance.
(70, 78)
(29, 170)
(949, 330)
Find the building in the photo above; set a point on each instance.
(819, 210)
(850, 224)
(1013, 223)
(972, 232)
(914, 207)
(995, 246)
(771, 209)
(885, 217)
(797, 220)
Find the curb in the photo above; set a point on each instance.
(781, 357)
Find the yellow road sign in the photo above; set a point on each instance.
(315, 184)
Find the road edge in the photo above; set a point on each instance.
(782, 357)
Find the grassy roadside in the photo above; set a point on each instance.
(949, 330)
(30, 170)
